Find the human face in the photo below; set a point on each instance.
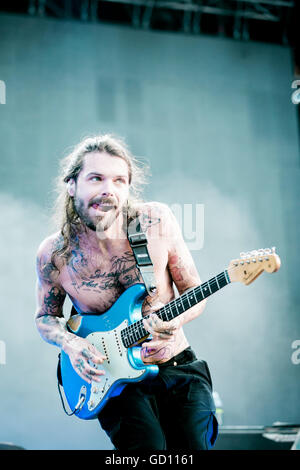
(101, 190)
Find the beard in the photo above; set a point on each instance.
(98, 223)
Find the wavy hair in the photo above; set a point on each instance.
(65, 217)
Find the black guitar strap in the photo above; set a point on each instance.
(138, 242)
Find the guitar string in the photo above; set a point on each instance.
(137, 327)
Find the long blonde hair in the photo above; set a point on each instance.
(65, 217)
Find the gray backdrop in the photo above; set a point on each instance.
(214, 119)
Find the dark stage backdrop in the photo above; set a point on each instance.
(215, 120)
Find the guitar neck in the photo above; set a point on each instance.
(136, 332)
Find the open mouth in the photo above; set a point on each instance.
(104, 207)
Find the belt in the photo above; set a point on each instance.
(187, 355)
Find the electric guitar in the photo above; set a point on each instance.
(118, 332)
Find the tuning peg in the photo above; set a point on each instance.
(255, 254)
(245, 254)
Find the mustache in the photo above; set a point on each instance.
(103, 200)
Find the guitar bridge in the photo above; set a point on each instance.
(105, 351)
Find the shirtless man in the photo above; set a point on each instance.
(90, 260)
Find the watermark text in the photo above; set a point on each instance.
(296, 94)
(2, 353)
(172, 222)
(295, 357)
(2, 92)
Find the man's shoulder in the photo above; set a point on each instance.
(156, 217)
(49, 245)
(154, 208)
(47, 270)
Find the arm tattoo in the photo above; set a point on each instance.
(158, 354)
(176, 268)
(45, 269)
(184, 273)
(53, 301)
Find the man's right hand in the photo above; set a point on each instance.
(84, 358)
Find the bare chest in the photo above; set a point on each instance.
(94, 281)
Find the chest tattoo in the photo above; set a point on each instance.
(91, 274)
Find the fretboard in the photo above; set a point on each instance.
(135, 332)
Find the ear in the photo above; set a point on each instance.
(71, 187)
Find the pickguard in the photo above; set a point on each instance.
(117, 366)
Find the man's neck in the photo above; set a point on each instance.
(107, 240)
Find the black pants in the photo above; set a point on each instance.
(173, 411)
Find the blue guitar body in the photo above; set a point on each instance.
(123, 365)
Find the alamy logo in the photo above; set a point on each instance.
(190, 218)
(2, 353)
(295, 358)
(296, 94)
(2, 92)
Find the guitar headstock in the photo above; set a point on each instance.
(252, 263)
